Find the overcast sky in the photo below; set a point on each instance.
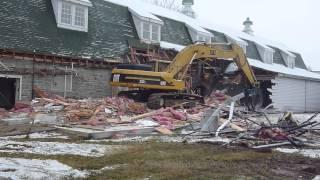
(295, 23)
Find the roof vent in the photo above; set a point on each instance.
(247, 26)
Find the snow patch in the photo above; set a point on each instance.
(41, 135)
(56, 148)
(168, 45)
(296, 72)
(312, 153)
(16, 168)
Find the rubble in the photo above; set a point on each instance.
(119, 117)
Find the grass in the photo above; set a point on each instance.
(157, 160)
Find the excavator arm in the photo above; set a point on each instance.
(233, 52)
(173, 78)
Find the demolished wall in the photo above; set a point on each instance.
(81, 82)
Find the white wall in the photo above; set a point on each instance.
(297, 95)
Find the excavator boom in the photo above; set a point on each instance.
(173, 77)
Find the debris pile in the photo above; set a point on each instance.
(221, 116)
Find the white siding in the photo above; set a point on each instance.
(313, 96)
(290, 94)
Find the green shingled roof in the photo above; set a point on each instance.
(30, 25)
(174, 32)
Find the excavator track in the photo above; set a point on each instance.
(159, 100)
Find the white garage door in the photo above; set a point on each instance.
(289, 94)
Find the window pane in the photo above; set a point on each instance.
(155, 37)
(146, 35)
(155, 32)
(146, 27)
(80, 16)
(66, 16)
(146, 31)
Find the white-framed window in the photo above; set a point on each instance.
(79, 18)
(155, 30)
(66, 13)
(150, 32)
(73, 16)
(146, 31)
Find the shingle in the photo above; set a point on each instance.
(30, 25)
(174, 32)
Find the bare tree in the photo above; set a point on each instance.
(169, 4)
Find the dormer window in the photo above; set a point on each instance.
(72, 14)
(150, 32)
(289, 58)
(147, 25)
(199, 36)
(266, 53)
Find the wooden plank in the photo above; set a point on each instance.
(232, 125)
(164, 130)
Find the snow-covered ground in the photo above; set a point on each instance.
(57, 148)
(165, 139)
(41, 135)
(17, 168)
(312, 153)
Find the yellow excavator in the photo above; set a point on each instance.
(162, 88)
